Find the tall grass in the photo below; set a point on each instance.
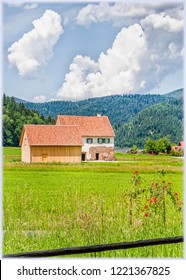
(57, 206)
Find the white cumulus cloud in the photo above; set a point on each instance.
(35, 48)
(140, 58)
(162, 21)
(39, 99)
(77, 80)
(121, 14)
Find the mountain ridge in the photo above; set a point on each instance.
(133, 116)
(174, 94)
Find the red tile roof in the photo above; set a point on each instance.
(52, 135)
(97, 126)
(181, 144)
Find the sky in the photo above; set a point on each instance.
(79, 50)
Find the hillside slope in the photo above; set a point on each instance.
(14, 117)
(118, 108)
(160, 120)
(134, 117)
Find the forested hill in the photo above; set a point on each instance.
(134, 117)
(158, 121)
(118, 108)
(15, 115)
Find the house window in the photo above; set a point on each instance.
(103, 140)
(100, 140)
(89, 141)
(107, 140)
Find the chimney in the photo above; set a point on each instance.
(98, 115)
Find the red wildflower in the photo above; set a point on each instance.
(153, 199)
(146, 206)
(146, 215)
(166, 187)
(136, 172)
(154, 185)
(176, 193)
(143, 210)
(176, 199)
(180, 202)
(169, 183)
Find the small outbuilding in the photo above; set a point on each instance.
(179, 148)
(51, 143)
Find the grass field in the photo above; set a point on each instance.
(47, 206)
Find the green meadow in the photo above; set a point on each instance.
(136, 197)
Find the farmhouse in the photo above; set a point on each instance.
(97, 135)
(72, 139)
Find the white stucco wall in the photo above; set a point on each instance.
(86, 147)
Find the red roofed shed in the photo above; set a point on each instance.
(51, 143)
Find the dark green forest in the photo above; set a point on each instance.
(163, 120)
(15, 115)
(119, 108)
(134, 117)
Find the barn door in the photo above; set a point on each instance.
(44, 158)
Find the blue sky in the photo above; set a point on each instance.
(74, 51)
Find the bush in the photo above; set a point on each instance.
(161, 145)
(175, 153)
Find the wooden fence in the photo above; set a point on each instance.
(98, 248)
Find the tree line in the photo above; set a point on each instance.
(15, 116)
(135, 118)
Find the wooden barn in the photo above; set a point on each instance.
(51, 143)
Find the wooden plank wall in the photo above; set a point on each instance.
(56, 154)
(25, 154)
(25, 150)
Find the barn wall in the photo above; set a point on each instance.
(25, 150)
(56, 154)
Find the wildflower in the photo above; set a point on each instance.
(166, 187)
(154, 185)
(143, 210)
(169, 183)
(146, 206)
(153, 199)
(176, 199)
(163, 182)
(176, 193)
(146, 215)
(180, 203)
(136, 172)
